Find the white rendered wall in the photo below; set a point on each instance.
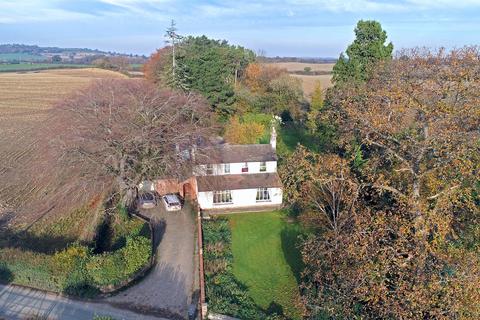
(236, 168)
(240, 198)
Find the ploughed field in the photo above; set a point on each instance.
(25, 98)
(309, 81)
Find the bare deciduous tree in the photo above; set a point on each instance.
(128, 131)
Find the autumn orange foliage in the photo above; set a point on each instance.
(408, 246)
(156, 64)
(243, 133)
(258, 76)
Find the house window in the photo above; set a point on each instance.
(263, 166)
(209, 169)
(221, 197)
(226, 168)
(263, 194)
(245, 167)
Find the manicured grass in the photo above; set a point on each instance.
(267, 261)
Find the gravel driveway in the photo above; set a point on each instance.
(166, 291)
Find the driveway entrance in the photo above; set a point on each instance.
(168, 288)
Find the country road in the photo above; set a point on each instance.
(22, 303)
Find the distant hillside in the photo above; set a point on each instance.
(299, 59)
(16, 53)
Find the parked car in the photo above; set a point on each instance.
(172, 202)
(147, 200)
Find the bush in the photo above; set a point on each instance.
(72, 263)
(136, 253)
(107, 268)
(114, 267)
(31, 269)
(216, 230)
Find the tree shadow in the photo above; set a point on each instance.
(6, 276)
(275, 309)
(290, 238)
(158, 230)
(29, 241)
(25, 239)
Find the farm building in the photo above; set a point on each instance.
(231, 178)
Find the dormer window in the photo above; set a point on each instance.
(263, 166)
(245, 167)
(209, 169)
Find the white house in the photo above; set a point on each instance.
(236, 177)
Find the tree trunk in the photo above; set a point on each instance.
(129, 196)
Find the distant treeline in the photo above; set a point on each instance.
(299, 59)
(37, 50)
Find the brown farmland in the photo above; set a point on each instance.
(308, 81)
(300, 66)
(25, 99)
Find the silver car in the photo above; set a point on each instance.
(171, 202)
(147, 200)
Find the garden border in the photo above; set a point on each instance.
(107, 291)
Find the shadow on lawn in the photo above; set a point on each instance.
(290, 237)
(6, 276)
(27, 240)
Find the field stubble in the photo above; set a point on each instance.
(26, 98)
(308, 81)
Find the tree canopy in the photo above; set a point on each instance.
(126, 131)
(367, 49)
(208, 66)
(396, 231)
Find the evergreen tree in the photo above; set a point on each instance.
(364, 53)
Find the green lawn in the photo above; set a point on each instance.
(266, 259)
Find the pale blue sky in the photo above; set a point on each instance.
(307, 28)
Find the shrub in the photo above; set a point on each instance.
(216, 230)
(72, 263)
(107, 268)
(31, 269)
(136, 253)
(114, 267)
(68, 259)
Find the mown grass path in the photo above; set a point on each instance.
(267, 260)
